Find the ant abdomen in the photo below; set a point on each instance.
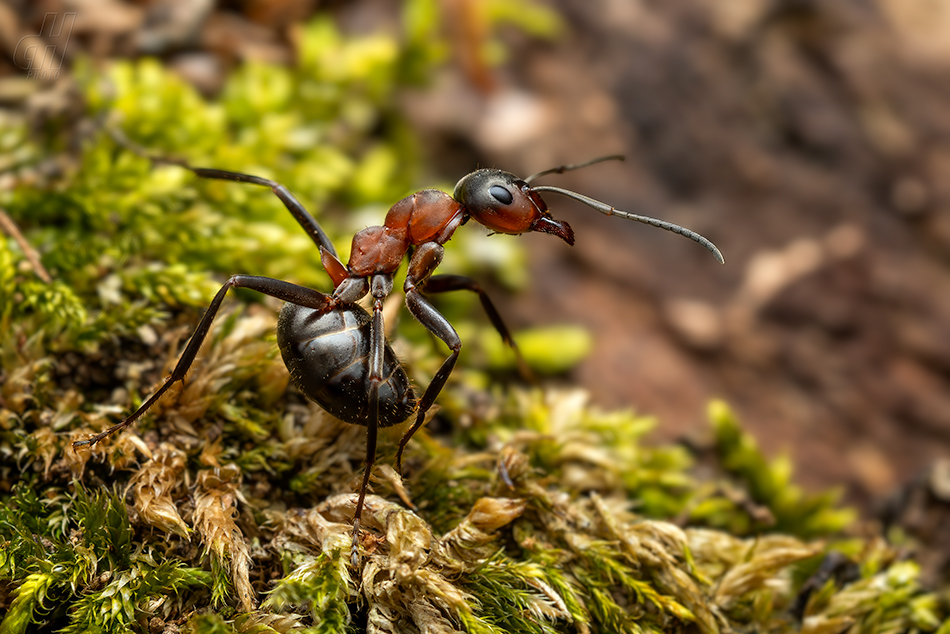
(327, 354)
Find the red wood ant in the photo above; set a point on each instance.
(336, 352)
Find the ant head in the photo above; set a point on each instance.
(506, 204)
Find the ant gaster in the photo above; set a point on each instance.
(335, 351)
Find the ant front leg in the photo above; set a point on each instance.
(425, 259)
(286, 291)
(448, 283)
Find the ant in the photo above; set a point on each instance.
(335, 350)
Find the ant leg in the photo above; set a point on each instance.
(303, 217)
(426, 258)
(380, 287)
(438, 325)
(328, 255)
(286, 291)
(372, 426)
(448, 283)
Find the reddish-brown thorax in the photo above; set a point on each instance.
(427, 216)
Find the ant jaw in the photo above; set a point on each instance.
(546, 224)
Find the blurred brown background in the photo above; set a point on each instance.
(808, 139)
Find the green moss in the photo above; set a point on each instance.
(770, 484)
(76, 565)
(322, 586)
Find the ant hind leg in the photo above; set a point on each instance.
(448, 283)
(303, 217)
(280, 289)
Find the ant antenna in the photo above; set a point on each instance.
(606, 209)
(574, 166)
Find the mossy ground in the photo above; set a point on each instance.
(228, 507)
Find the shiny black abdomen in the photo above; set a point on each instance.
(327, 355)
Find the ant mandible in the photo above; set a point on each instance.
(336, 352)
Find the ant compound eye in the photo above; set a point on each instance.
(501, 194)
